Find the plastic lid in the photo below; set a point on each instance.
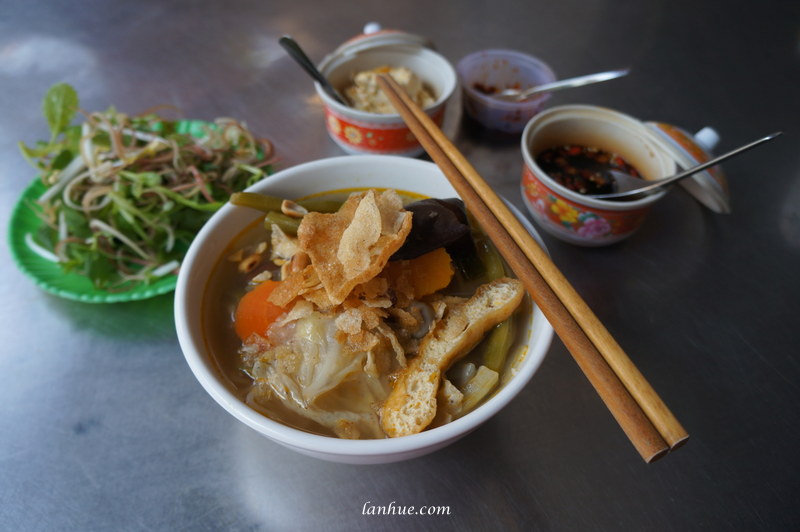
(374, 36)
(709, 187)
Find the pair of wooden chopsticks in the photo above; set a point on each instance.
(641, 413)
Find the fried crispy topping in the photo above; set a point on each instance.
(354, 244)
(283, 246)
(299, 283)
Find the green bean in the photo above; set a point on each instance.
(490, 258)
(489, 263)
(287, 224)
(254, 200)
(497, 345)
(320, 205)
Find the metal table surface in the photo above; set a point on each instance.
(103, 426)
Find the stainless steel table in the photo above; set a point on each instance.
(103, 426)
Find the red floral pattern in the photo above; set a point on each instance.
(375, 139)
(587, 223)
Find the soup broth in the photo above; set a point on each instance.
(356, 398)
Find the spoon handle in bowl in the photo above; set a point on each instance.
(576, 82)
(517, 95)
(661, 183)
(717, 160)
(297, 53)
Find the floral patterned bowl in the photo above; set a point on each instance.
(360, 132)
(573, 217)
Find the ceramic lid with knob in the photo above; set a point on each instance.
(709, 187)
(374, 36)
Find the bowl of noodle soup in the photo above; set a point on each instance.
(206, 296)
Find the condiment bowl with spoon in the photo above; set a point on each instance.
(558, 206)
(360, 132)
(572, 158)
(482, 74)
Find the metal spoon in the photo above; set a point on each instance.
(297, 53)
(628, 187)
(518, 95)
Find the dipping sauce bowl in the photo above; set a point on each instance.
(569, 215)
(360, 132)
(488, 71)
(655, 149)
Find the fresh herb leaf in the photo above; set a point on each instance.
(59, 107)
(100, 269)
(62, 159)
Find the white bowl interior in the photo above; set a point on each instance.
(318, 176)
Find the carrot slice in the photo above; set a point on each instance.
(427, 273)
(255, 313)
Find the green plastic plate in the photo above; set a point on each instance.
(50, 277)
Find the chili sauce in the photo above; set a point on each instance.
(583, 169)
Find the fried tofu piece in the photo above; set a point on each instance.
(411, 406)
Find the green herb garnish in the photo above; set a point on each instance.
(127, 194)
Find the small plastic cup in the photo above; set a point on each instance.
(487, 71)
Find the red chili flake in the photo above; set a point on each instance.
(583, 169)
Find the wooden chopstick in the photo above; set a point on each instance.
(640, 412)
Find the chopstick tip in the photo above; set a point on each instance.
(656, 456)
(679, 443)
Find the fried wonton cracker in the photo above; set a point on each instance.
(302, 282)
(353, 245)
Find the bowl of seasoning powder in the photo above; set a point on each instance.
(567, 152)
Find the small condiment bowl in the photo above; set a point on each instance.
(574, 217)
(361, 132)
(487, 71)
(202, 346)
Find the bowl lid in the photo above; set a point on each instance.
(374, 36)
(709, 187)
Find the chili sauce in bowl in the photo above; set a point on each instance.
(584, 169)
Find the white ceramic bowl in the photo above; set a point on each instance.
(318, 176)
